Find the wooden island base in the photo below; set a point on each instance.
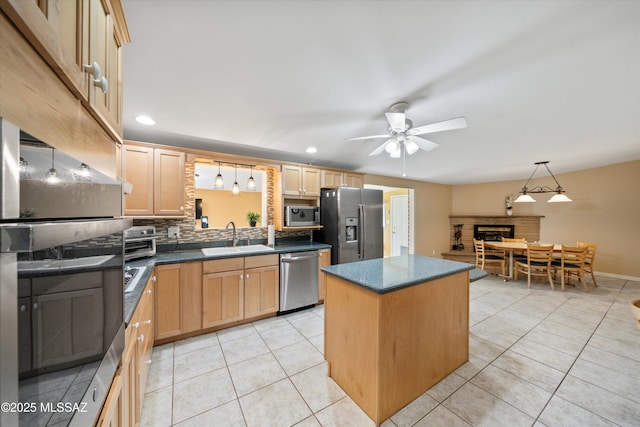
(387, 349)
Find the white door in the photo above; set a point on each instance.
(399, 225)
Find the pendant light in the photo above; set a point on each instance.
(558, 197)
(84, 170)
(251, 183)
(235, 190)
(219, 182)
(52, 175)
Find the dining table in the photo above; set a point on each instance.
(515, 246)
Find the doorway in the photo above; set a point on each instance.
(398, 217)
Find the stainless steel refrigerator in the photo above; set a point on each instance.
(352, 223)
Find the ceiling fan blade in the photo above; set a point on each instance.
(424, 144)
(396, 121)
(362, 138)
(458, 123)
(381, 148)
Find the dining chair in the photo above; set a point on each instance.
(571, 263)
(588, 263)
(538, 263)
(495, 258)
(517, 253)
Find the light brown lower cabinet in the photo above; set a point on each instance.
(324, 260)
(123, 404)
(178, 296)
(261, 288)
(222, 291)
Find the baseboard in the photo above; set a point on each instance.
(617, 276)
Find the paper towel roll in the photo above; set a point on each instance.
(271, 235)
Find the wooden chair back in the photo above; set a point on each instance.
(590, 258)
(514, 239)
(539, 255)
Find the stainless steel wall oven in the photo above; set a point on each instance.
(61, 299)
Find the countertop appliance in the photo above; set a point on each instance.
(61, 299)
(298, 280)
(139, 242)
(352, 223)
(301, 216)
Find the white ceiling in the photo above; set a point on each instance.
(536, 80)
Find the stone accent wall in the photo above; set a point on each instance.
(525, 226)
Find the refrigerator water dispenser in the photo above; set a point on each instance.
(351, 231)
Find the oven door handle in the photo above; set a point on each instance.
(29, 237)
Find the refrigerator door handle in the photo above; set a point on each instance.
(362, 218)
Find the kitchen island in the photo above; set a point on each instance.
(394, 327)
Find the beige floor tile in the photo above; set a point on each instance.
(571, 346)
(483, 349)
(480, 408)
(318, 342)
(197, 362)
(195, 343)
(243, 348)
(344, 413)
(445, 388)
(625, 348)
(613, 361)
(486, 331)
(311, 421)
(156, 408)
(519, 393)
(562, 413)
(441, 417)
(317, 388)
(227, 414)
(309, 326)
(281, 336)
(270, 323)
(278, 404)
(604, 403)
(253, 374)
(160, 375)
(472, 367)
(414, 411)
(200, 394)
(161, 352)
(543, 354)
(530, 370)
(298, 357)
(236, 332)
(619, 383)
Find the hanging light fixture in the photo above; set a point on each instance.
(52, 175)
(219, 182)
(235, 190)
(84, 170)
(558, 197)
(251, 183)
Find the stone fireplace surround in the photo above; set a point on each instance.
(527, 226)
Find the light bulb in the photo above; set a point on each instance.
(219, 182)
(411, 147)
(235, 190)
(396, 154)
(251, 184)
(392, 146)
(52, 176)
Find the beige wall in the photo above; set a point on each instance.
(222, 207)
(605, 210)
(431, 212)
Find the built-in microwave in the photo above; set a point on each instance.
(301, 216)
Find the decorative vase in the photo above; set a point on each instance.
(252, 223)
(509, 212)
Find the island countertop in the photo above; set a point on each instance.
(384, 275)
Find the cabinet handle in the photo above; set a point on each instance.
(242, 276)
(102, 83)
(93, 69)
(146, 322)
(148, 291)
(246, 276)
(23, 308)
(35, 306)
(135, 325)
(153, 279)
(141, 338)
(181, 208)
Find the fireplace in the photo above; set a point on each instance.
(493, 232)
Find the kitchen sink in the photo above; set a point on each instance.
(236, 250)
(63, 264)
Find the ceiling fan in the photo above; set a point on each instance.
(401, 133)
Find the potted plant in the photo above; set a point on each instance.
(253, 218)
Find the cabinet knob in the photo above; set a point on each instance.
(242, 276)
(35, 306)
(141, 338)
(148, 291)
(102, 83)
(246, 276)
(135, 325)
(153, 279)
(181, 208)
(23, 308)
(148, 362)
(93, 69)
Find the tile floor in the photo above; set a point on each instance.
(537, 358)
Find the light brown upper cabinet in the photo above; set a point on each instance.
(81, 40)
(335, 179)
(157, 176)
(300, 181)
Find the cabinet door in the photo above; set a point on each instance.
(105, 49)
(310, 182)
(167, 301)
(222, 298)
(330, 179)
(261, 291)
(113, 408)
(291, 180)
(323, 261)
(169, 182)
(24, 334)
(65, 325)
(354, 180)
(137, 168)
(190, 296)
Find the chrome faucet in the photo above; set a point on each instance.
(235, 236)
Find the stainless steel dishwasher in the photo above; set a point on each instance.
(298, 280)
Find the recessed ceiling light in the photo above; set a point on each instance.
(312, 150)
(145, 120)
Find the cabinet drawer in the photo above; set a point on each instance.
(261, 261)
(219, 265)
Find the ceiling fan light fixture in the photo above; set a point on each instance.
(392, 146)
(411, 147)
(396, 154)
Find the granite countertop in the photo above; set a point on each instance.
(390, 274)
(131, 299)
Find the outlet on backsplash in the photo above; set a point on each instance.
(173, 232)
